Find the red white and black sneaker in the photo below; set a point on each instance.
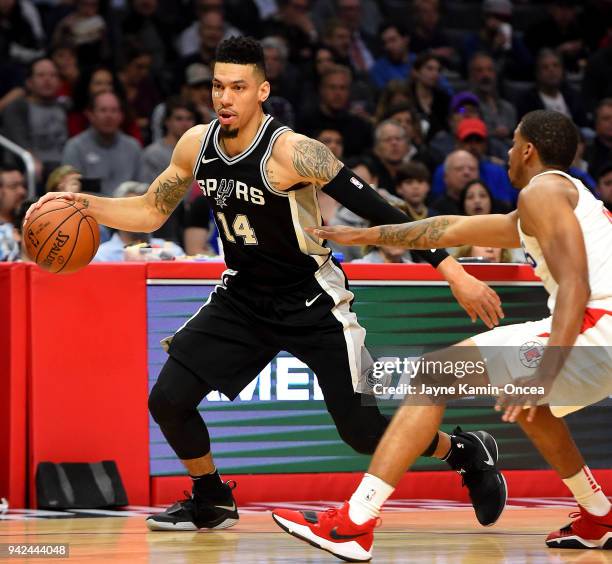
(330, 530)
(587, 531)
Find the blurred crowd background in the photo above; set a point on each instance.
(419, 97)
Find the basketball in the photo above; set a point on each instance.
(61, 237)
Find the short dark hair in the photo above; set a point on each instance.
(364, 161)
(393, 25)
(241, 51)
(177, 103)
(554, 136)
(32, 65)
(413, 170)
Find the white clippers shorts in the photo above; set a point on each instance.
(514, 351)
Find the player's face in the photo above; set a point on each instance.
(237, 93)
(516, 163)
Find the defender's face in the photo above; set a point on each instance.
(237, 92)
(516, 164)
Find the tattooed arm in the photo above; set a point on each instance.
(494, 230)
(148, 212)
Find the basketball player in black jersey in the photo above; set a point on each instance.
(282, 289)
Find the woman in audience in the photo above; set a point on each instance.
(476, 199)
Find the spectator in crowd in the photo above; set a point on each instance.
(604, 185)
(64, 178)
(499, 115)
(37, 122)
(599, 151)
(497, 38)
(337, 38)
(459, 168)
(596, 84)
(21, 33)
(114, 249)
(12, 195)
(462, 105)
(360, 54)
(332, 112)
(91, 83)
(367, 16)
(428, 35)
(293, 23)
(561, 31)
(332, 139)
(476, 199)
(405, 114)
(430, 101)
(103, 151)
(323, 59)
(204, 30)
(180, 115)
(13, 192)
(580, 167)
(66, 62)
(396, 92)
(397, 59)
(550, 91)
(145, 26)
(210, 34)
(141, 92)
(488, 254)
(412, 184)
(284, 81)
(390, 150)
(11, 85)
(86, 29)
(384, 254)
(472, 137)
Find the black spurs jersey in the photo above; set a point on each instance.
(261, 228)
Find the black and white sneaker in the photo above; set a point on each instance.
(485, 483)
(191, 514)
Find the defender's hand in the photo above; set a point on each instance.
(342, 234)
(478, 300)
(70, 196)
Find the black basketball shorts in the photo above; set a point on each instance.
(240, 329)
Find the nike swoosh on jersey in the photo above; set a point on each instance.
(204, 161)
(334, 534)
(310, 302)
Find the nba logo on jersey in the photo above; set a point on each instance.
(226, 187)
(356, 182)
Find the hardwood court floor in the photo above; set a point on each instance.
(406, 536)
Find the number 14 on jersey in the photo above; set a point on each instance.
(241, 228)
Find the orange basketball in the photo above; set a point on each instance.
(61, 237)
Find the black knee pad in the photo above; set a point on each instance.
(163, 410)
(361, 427)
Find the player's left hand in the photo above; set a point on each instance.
(478, 300)
(513, 405)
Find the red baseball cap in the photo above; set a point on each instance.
(471, 126)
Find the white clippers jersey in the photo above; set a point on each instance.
(596, 224)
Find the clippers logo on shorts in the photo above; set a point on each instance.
(224, 191)
(530, 354)
(356, 182)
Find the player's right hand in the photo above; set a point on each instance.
(70, 196)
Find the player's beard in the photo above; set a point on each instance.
(226, 133)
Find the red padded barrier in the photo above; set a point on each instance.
(253, 488)
(88, 396)
(13, 379)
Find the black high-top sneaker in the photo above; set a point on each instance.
(196, 513)
(474, 455)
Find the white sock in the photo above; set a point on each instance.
(588, 492)
(368, 498)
